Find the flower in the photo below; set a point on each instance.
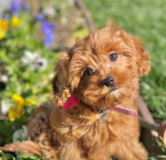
(47, 27)
(14, 114)
(16, 5)
(48, 31)
(19, 101)
(4, 25)
(48, 39)
(24, 6)
(17, 98)
(29, 57)
(42, 63)
(5, 106)
(20, 134)
(17, 112)
(40, 17)
(4, 78)
(15, 21)
(33, 60)
(29, 102)
(2, 34)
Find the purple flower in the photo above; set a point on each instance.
(48, 31)
(47, 27)
(24, 6)
(16, 5)
(49, 39)
(40, 17)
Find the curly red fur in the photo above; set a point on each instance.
(75, 134)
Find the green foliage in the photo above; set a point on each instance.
(162, 147)
(161, 144)
(30, 83)
(144, 19)
(23, 80)
(4, 156)
(7, 129)
(8, 156)
(21, 48)
(159, 157)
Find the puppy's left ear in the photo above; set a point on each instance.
(143, 60)
(60, 85)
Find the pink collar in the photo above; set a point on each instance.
(73, 101)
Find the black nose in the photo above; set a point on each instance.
(109, 81)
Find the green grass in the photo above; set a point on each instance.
(145, 19)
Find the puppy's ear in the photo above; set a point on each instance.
(143, 60)
(60, 85)
(76, 64)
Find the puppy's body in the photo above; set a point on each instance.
(79, 135)
(103, 71)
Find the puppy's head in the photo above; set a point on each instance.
(102, 69)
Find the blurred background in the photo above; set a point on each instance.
(34, 32)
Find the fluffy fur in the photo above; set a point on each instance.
(75, 134)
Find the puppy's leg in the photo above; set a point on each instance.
(97, 155)
(26, 147)
(100, 153)
(131, 149)
(47, 151)
(71, 151)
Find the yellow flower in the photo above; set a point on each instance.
(21, 103)
(2, 34)
(15, 21)
(29, 102)
(4, 25)
(20, 106)
(14, 114)
(17, 112)
(18, 99)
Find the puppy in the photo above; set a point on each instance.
(102, 72)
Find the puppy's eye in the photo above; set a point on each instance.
(113, 57)
(88, 72)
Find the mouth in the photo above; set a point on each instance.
(114, 89)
